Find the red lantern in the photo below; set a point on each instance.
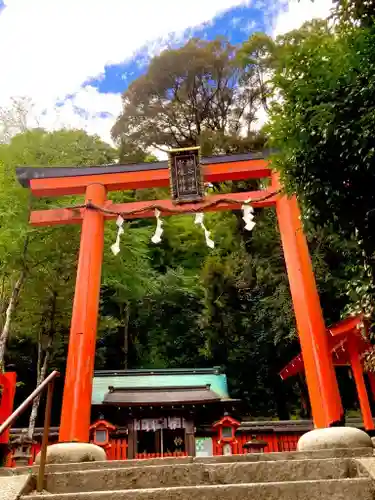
(226, 428)
(100, 431)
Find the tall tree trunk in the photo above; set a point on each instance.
(2, 302)
(42, 363)
(125, 318)
(41, 376)
(280, 400)
(13, 302)
(9, 314)
(304, 396)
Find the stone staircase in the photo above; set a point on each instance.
(323, 475)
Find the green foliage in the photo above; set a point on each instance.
(63, 147)
(323, 127)
(355, 12)
(197, 94)
(46, 256)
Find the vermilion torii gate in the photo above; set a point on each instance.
(347, 341)
(94, 183)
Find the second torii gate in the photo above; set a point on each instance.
(94, 183)
(347, 345)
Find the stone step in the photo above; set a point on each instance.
(253, 457)
(342, 489)
(195, 474)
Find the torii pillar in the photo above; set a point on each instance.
(321, 379)
(357, 369)
(76, 408)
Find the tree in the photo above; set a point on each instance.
(131, 153)
(45, 305)
(43, 317)
(198, 89)
(127, 278)
(257, 56)
(354, 12)
(38, 147)
(323, 127)
(14, 242)
(40, 263)
(248, 319)
(16, 118)
(166, 322)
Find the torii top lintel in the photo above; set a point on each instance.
(59, 181)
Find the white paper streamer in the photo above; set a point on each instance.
(199, 221)
(159, 228)
(116, 246)
(248, 216)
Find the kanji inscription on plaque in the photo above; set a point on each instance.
(186, 175)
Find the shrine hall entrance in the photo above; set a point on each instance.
(161, 443)
(160, 437)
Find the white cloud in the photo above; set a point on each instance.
(298, 12)
(292, 16)
(50, 48)
(87, 109)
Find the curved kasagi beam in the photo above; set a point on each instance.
(58, 181)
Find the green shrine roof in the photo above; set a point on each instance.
(154, 379)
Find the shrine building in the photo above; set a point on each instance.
(162, 412)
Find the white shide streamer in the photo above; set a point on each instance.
(116, 246)
(159, 228)
(248, 216)
(199, 221)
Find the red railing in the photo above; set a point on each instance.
(288, 442)
(143, 456)
(118, 448)
(48, 383)
(275, 443)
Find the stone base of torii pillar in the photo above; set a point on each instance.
(64, 453)
(334, 438)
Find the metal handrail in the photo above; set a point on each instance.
(9, 421)
(47, 382)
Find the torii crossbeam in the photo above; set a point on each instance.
(94, 183)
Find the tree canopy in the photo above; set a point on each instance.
(323, 127)
(197, 94)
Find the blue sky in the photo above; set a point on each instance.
(236, 24)
(73, 58)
